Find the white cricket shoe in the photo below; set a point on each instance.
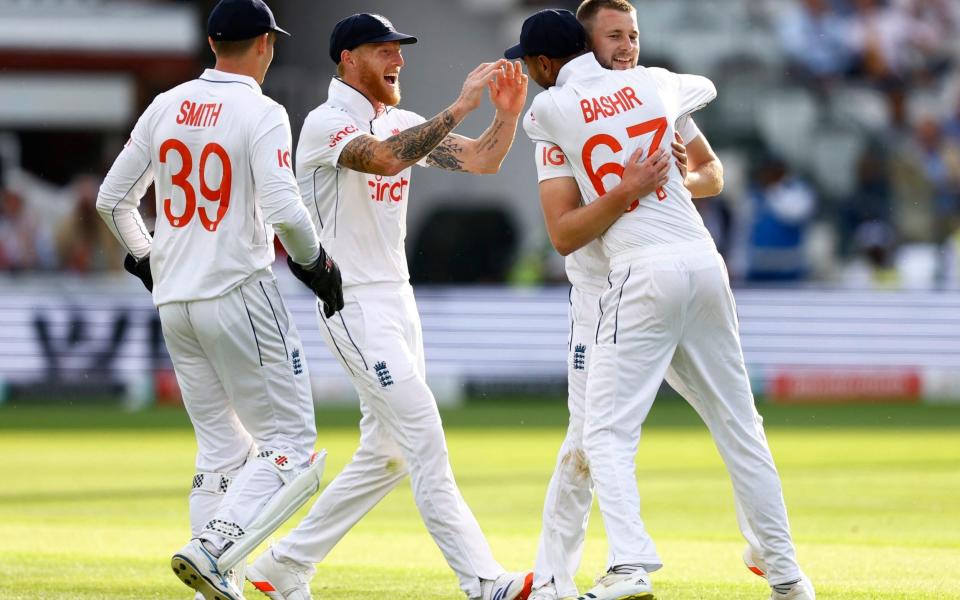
(235, 574)
(802, 590)
(509, 586)
(622, 586)
(280, 579)
(197, 568)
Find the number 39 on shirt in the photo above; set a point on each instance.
(656, 126)
(219, 194)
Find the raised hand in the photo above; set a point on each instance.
(508, 89)
(472, 92)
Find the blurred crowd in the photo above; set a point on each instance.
(874, 175)
(45, 227)
(838, 123)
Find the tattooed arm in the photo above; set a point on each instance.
(485, 154)
(480, 156)
(367, 154)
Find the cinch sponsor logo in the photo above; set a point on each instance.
(337, 137)
(387, 188)
(193, 114)
(608, 106)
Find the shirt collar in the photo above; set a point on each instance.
(578, 67)
(215, 76)
(345, 96)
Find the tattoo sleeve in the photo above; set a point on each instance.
(366, 153)
(445, 156)
(413, 144)
(482, 155)
(358, 154)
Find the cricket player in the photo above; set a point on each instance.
(218, 152)
(612, 35)
(667, 302)
(354, 164)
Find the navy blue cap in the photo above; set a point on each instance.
(554, 33)
(235, 20)
(364, 28)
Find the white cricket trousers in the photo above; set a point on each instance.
(569, 497)
(671, 306)
(378, 340)
(244, 381)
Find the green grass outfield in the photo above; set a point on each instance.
(93, 502)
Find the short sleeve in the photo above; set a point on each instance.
(551, 162)
(324, 135)
(534, 120)
(688, 93)
(687, 129)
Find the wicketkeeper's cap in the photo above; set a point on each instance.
(554, 33)
(364, 28)
(235, 20)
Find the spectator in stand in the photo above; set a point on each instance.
(934, 25)
(872, 197)
(783, 207)
(927, 182)
(901, 42)
(816, 40)
(951, 123)
(872, 266)
(884, 35)
(83, 244)
(24, 243)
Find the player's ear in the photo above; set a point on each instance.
(212, 47)
(346, 58)
(263, 43)
(545, 65)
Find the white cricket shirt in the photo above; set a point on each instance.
(587, 268)
(361, 218)
(218, 151)
(598, 117)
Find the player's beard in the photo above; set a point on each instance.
(627, 62)
(372, 81)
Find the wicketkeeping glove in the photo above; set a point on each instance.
(323, 277)
(140, 269)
